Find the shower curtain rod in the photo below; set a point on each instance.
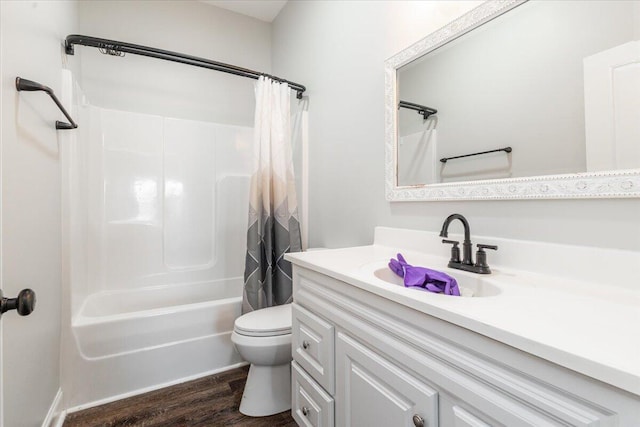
(116, 48)
(423, 110)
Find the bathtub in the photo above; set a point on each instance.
(132, 341)
(110, 323)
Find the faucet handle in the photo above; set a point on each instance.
(455, 250)
(481, 258)
(492, 247)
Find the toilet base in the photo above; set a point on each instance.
(267, 391)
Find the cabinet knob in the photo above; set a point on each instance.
(305, 344)
(418, 421)
(305, 411)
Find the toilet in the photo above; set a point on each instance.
(263, 338)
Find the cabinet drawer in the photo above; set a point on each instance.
(311, 405)
(313, 346)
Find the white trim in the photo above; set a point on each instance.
(151, 388)
(304, 224)
(611, 184)
(2, 346)
(54, 415)
(605, 184)
(60, 420)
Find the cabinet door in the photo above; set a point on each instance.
(373, 391)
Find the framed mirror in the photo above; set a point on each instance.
(518, 100)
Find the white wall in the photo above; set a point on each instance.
(31, 212)
(153, 86)
(337, 49)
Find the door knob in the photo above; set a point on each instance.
(24, 304)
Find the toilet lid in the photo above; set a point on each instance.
(265, 322)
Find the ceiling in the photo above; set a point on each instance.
(264, 10)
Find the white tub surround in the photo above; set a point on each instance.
(569, 317)
(155, 251)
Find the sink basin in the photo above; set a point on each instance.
(470, 285)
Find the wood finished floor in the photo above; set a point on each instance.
(208, 401)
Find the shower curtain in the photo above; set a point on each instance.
(274, 227)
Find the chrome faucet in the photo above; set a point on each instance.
(467, 263)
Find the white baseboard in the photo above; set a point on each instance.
(60, 420)
(148, 389)
(55, 417)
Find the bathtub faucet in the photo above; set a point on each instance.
(467, 263)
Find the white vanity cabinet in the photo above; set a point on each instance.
(363, 360)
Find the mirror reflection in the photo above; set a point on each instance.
(547, 88)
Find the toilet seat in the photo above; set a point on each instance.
(266, 322)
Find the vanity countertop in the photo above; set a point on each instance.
(591, 328)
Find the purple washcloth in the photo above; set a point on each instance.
(424, 278)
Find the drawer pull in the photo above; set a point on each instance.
(305, 344)
(305, 411)
(418, 421)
